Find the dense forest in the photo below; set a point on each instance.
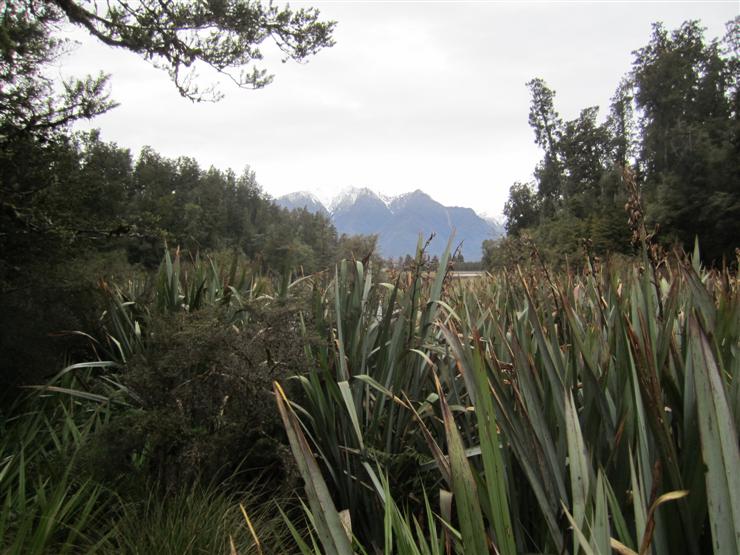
(188, 369)
(673, 122)
(73, 205)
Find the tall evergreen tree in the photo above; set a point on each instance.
(674, 117)
(547, 126)
(686, 91)
(522, 209)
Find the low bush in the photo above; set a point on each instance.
(203, 406)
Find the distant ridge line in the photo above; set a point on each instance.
(399, 220)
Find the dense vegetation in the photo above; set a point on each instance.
(154, 449)
(675, 119)
(72, 206)
(77, 205)
(188, 369)
(533, 411)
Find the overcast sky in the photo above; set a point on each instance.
(427, 95)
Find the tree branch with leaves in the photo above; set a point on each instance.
(225, 35)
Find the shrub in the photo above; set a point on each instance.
(39, 305)
(205, 406)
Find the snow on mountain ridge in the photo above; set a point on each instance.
(387, 199)
(298, 196)
(398, 220)
(301, 200)
(400, 201)
(349, 196)
(490, 218)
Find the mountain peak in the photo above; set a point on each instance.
(301, 199)
(417, 198)
(350, 196)
(301, 195)
(416, 193)
(399, 220)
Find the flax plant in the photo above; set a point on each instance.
(44, 506)
(577, 412)
(177, 287)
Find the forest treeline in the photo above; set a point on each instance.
(75, 202)
(81, 192)
(74, 208)
(673, 121)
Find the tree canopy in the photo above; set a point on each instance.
(225, 35)
(179, 36)
(38, 154)
(675, 119)
(68, 201)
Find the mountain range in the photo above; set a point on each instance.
(398, 221)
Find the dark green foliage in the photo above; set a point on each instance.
(67, 197)
(522, 210)
(52, 503)
(675, 118)
(561, 241)
(29, 105)
(193, 404)
(202, 389)
(47, 506)
(42, 306)
(608, 232)
(462, 266)
(299, 240)
(506, 252)
(76, 199)
(357, 247)
(130, 445)
(547, 126)
(577, 194)
(687, 91)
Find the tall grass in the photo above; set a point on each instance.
(202, 520)
(579, 412)
(374, 337)
(49, 504)
(525, 412)
(176, 287)
(45, 506)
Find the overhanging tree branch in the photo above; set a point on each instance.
(225, 36)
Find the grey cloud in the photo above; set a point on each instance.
(412, 95)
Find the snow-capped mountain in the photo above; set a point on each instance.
(351, 195)
(495, 221)
(360, 211)
(302, 199)
(398, 221)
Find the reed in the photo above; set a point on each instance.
(545, 412)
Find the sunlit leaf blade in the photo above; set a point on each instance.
(327, 521)
(719, 445)
(464, 487)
